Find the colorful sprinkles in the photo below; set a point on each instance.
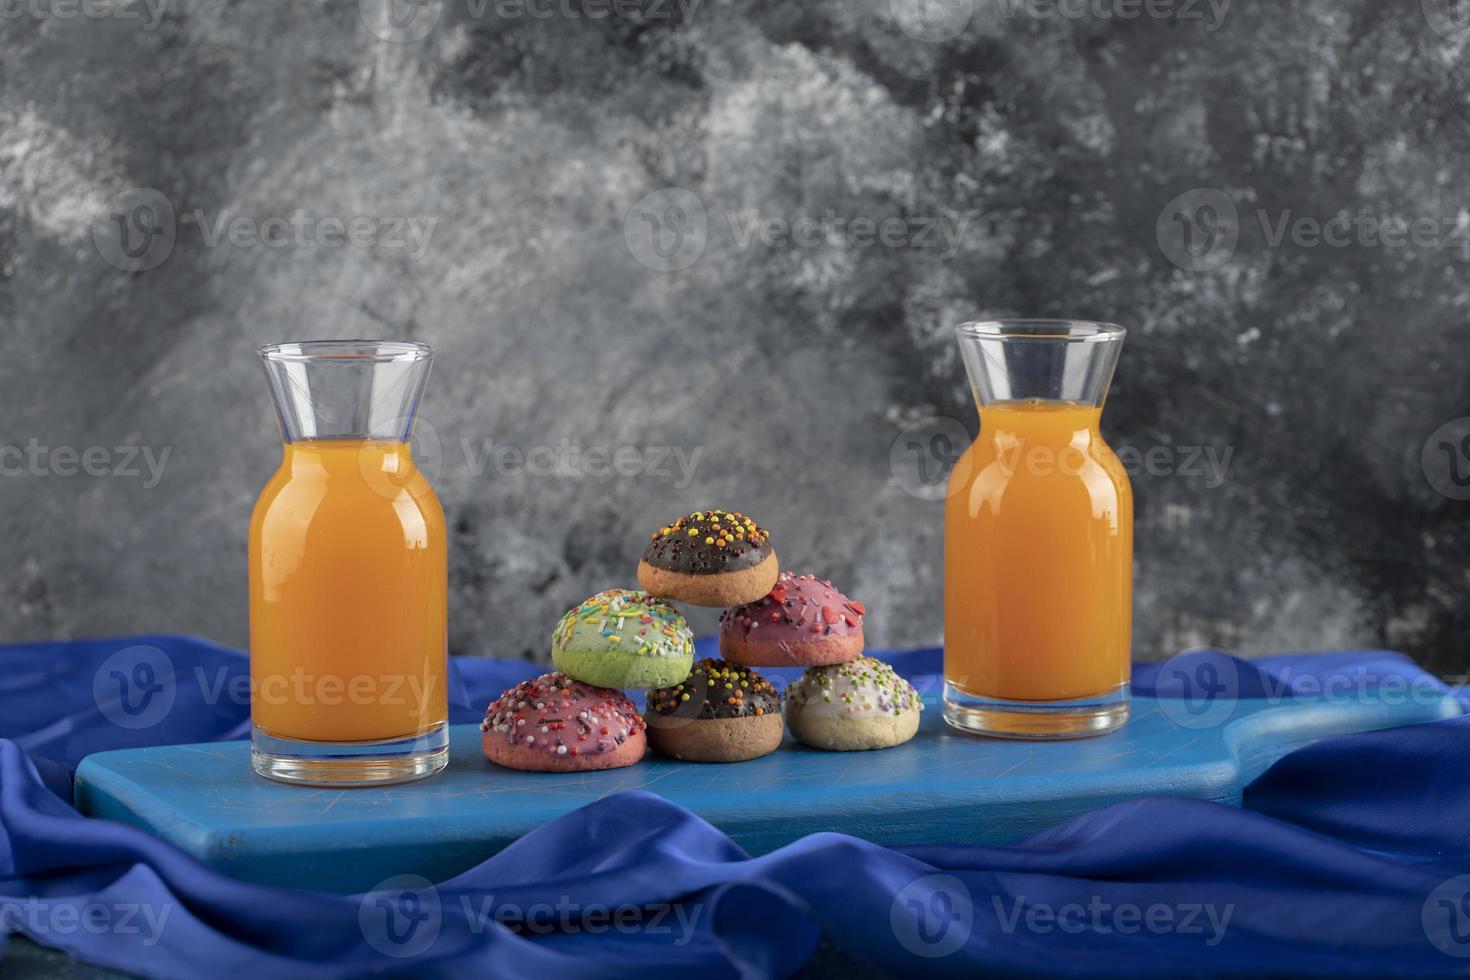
(717, 689)
(803, 604)
(632, 620)
(708, 541)
(560, 715)
(860, 687)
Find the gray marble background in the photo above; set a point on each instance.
(657, 225)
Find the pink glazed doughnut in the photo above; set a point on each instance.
(802, 622)
(557, 724)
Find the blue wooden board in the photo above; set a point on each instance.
(940, 787)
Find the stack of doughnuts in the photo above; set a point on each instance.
(576, 718)
(844, 701)
(720, 712)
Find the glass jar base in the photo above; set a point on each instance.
(290, 760)
(1004, 718)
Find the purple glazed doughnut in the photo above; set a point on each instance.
(554, 723)
(803, 622)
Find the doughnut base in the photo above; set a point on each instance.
(720, 590)
(500, 751)
(714, 739)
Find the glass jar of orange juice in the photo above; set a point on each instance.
(348, 574)
(1038, 579)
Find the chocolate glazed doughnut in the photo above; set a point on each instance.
(719, 713)
(709, 558)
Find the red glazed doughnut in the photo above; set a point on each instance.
(557, 724)
(802, 622)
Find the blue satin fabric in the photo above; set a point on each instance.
(1345, 861)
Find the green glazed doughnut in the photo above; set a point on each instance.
(625, 639)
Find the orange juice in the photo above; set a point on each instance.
(1038, 557)
(348, 583)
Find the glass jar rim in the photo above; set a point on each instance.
(1055, 330)
(354, 351)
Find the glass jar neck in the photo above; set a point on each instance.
(347, 389)
(1066, 362)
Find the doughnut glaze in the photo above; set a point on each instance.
(623, 638)
(716, 689)
(864, 688)
(553, 721)
(798, 608)
(708, 542)
(852, 706)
